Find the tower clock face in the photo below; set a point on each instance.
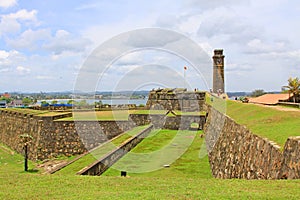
(218, 61)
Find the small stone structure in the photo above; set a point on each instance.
(235, 152)
(176, 99)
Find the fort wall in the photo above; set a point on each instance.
(176, 99)
(235, 152)
(52, 138)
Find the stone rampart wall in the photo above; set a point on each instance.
(235, 152)
(185, 101)
(54, 138)
(176, 122)
(291, 159)
(13, 125)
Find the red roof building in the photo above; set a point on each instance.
(6, 95)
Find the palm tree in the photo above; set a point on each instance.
(293, 87)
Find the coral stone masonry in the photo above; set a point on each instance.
(235, 152)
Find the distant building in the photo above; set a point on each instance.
(3, 104)
(6, 95)
(16, 103)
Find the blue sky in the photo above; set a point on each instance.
(44, 44)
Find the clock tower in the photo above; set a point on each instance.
(218, 71)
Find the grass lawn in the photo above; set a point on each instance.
(119, 114)
(99, 115)
(26, 111)
(99, 152)
(161, 148)
(183, 180)
(271, 123)
(35, 112)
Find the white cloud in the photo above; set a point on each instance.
(65, 41)
(225, 24)
(12, 23)
(130, 59)
(87, 6)
(9, 25)
(23, 15)
(3, 54)
(42, 39)
(257, 46)
(7, 3)
(43, 77)
(204, 4)
(30, 39)
(238, 68)
(22, 70)
(8, 58)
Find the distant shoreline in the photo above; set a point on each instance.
(104, 101)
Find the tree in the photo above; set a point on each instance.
(98, 104)
(293, 87)
(26, 101)
(83, 103)
(8, 100)
(71, 101)
(53, 102)
(257, 93)
(44, 103)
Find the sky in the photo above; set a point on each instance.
(55, 45)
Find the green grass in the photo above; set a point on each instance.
(119, 114)
(12, 162)
(190, 164)
(98, 115)
(271, 123)
(26, 111)
(35, 112)
(52, 114)
(99, 152)
(153, 112)
(185, 184)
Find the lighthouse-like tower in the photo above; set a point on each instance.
(218, 71)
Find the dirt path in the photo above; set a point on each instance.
(281, 108)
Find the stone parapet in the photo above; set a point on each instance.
(235, 152)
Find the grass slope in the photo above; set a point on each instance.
(99, 152)
(190, 164)
(271, 123)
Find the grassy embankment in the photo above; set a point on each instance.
(276, 125)
(265, 121)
